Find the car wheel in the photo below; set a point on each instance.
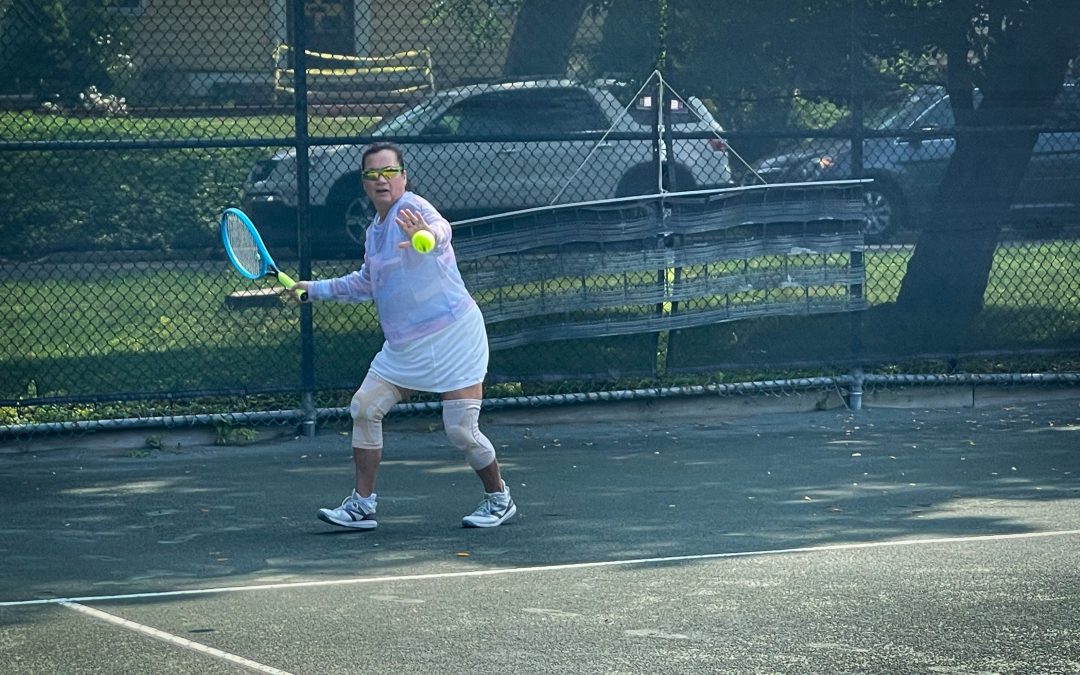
(884, 213)
(641, 180)
(357, 217)
(348, 213)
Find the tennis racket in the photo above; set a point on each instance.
(247, 252)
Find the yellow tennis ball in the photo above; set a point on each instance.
(423, 241)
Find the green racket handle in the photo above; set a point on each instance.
(288, 283)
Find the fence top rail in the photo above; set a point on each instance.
(616, 202)
(690, 215)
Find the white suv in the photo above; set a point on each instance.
(491, 148)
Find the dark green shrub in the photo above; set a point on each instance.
(117, 199)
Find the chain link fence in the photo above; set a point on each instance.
(126, 126)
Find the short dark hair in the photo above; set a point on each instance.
(379, 147)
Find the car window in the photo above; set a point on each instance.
(563, 110)
(939, 116)
(408, 122)
(905, 112)
(482, 115)
(524, 111)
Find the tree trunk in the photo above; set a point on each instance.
(542, 38)
(948, 273)
(950, 268)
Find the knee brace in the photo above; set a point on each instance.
(370, 403)
(461, 420)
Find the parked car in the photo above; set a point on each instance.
(489, 148)
(907, 170)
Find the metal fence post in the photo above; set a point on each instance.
(660, 344)
(303, 219)
(855, 396)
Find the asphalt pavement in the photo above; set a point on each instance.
(668, 537)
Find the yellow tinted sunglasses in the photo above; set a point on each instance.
(386, 172)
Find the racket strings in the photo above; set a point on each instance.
(243, 246)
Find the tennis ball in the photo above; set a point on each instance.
(423, 241)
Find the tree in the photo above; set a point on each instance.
(58, 48)
(1017, 55)
(1014, 53)
(542, 38)
(630, 46)
(35, 48)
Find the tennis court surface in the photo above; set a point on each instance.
(651, 538)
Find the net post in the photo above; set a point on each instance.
(855, 394)
(307, 414)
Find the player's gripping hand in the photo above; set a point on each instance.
(292, 294)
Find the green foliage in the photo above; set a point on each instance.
(35, 34)
(227, 434)
(56, 49)
(486, 22)
(119, 199)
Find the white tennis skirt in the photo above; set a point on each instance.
(452, 358)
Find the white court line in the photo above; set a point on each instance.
(172, 639)
(544, 568)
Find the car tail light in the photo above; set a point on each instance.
(718, 145)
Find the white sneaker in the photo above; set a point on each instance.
(355, 512)
(493, 510)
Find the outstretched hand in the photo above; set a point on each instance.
(410, 223)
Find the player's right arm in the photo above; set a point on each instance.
(353, 287)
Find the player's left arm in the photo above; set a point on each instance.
(435, 222)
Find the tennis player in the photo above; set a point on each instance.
(436, 340)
